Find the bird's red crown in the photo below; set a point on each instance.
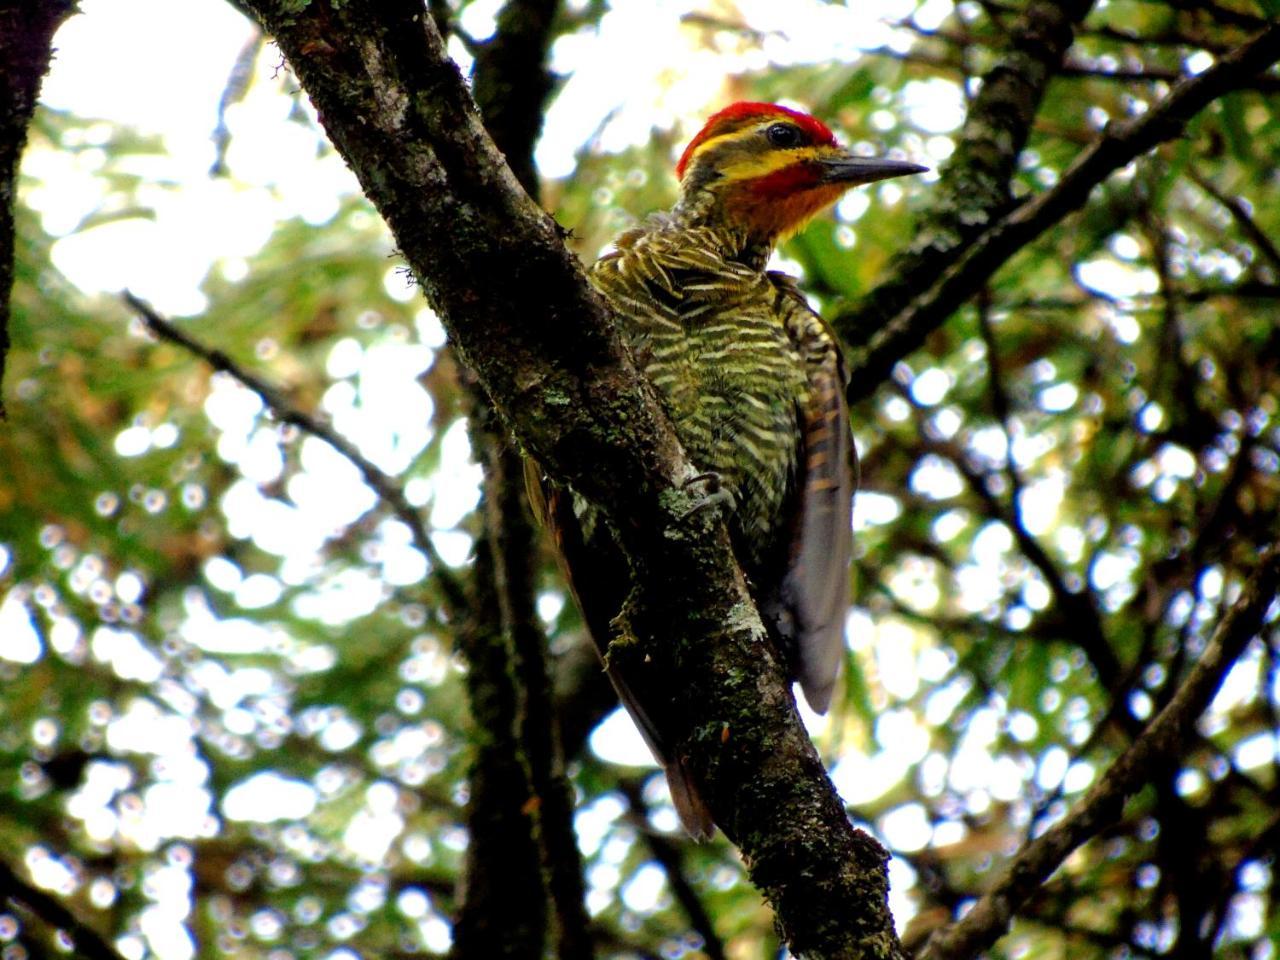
(744, 113)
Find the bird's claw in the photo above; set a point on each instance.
(716, 493)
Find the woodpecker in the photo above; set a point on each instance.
(752, 380)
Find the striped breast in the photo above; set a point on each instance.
(712, 335)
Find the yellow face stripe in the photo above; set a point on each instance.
(713, 141)
(755, 164)
(751, 166)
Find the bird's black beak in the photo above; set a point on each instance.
(852, 170)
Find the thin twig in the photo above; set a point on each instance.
(1247, 290)
(667, 853)
(1262, 844)
(275, 400)
(89, 944)
(1163, 738)
(1001, 409)
(1070, 70)
(1235, 18)
(1240, 213)
(1076, 609)
(1167, 38)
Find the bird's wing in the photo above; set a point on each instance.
(817, 583)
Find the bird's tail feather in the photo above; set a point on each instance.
(688, 802)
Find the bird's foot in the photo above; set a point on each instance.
(716, 493)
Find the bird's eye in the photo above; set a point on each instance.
(784, 135)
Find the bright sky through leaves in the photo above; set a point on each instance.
(182, 239)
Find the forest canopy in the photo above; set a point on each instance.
(289, 670)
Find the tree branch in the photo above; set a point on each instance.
(26, 38)
(905, 327)
(667, 853)
(518, 308)
(512, 84)
(973, 188)
(1077, 612)
(1241, 212)
(1162, 739)
(504, 905)
(1070, 69)
(503, 854)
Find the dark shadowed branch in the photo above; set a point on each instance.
(504, 905)
(1075, 608)
(504, 866)
(974, 189)
(1163, 738)
(26, 36)
(584, 696)
(1069, 70)
(1263, 845)
(512, 84)
(667, 853)
(1241, 212)
(88, 942)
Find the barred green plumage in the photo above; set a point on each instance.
(728, 369)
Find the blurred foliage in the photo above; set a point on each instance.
(1062, 491)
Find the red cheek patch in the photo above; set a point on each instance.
(787, 181)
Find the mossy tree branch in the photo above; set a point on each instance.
(517, 307)
(896, 318)
(974, 189)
